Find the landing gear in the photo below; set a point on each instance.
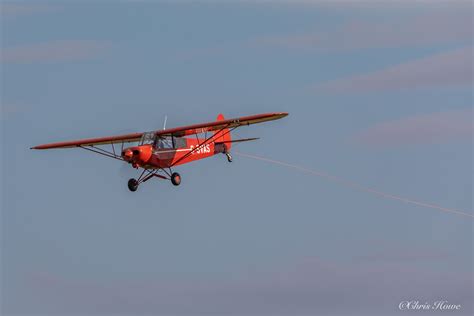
(132, 185)
(229, 157)
(148, 174)
(176, 179)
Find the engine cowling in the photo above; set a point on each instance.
(137, 155)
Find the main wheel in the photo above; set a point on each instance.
(229, 157)
(132, 185)
(176, 179)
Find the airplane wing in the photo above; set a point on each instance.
(177, 132)
(127, 138)
(218, 125)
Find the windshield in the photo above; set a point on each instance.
(147, 138)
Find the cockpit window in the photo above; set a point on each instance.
(163, 143)
(179, 142)
(169, 142)
(147, 138)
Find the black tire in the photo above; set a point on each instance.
(176, 179)
(132, 185)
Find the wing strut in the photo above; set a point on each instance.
(101, 151)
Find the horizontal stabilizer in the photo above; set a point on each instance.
(237, 140)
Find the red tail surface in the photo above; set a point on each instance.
(223, 136)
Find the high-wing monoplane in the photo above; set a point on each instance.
(157, 152)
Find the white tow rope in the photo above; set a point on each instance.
(357, 186)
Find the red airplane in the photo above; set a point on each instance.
(158, 151)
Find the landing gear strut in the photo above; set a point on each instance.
(176, 179)
(147, 175)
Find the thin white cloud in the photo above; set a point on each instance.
(19, 9)
(453, 68)
(55, 51)
(433, 128)
(428, 26)
(7, 109)
(312, 287)
(319, 2)
(429, 29)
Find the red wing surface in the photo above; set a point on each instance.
(127, 138)
(177, 132)
(219, 125)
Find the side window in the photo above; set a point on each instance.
(163, 143)
(169, 143)
(179, 142)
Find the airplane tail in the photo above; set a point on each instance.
(223, 136)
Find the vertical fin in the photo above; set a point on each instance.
(223, 135)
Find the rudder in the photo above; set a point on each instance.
(223, 136)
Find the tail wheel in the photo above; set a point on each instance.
(176, 179)
(229, 157)
(132, 185)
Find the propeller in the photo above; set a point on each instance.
(125, 169)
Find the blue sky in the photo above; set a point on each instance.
(379, 93)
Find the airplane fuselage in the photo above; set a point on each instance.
(150, 156)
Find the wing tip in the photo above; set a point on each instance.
(38, 147)
(280, 114)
